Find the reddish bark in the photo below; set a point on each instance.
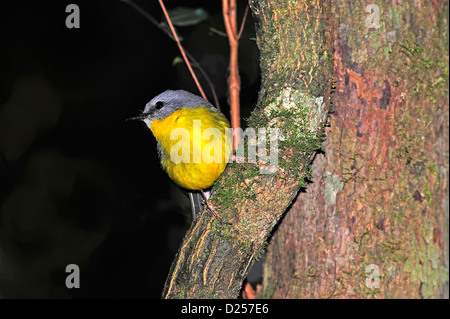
(379, 196)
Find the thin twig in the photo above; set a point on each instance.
(195, 64)
(233, 16)
(186, 60)
(193, 61)
(226, 18)
(143, 12)
(234, 81)
(243, 22)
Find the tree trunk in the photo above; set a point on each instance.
(374, 220)
(294, 43)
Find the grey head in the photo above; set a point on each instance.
(168, 102)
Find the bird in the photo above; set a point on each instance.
(187, 123)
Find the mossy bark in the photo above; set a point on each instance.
(378, 203)
(294, 43)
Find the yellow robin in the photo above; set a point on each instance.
(194, 140)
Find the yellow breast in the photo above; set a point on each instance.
(195, 147)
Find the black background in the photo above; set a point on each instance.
(79, 184)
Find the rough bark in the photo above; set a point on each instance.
(379, 195)
(214, 258)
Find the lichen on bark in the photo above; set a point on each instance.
(388, 146)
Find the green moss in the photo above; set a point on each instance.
(432, 167)
(286, 42)
(299, 118)
(228, 193)
(428, 194)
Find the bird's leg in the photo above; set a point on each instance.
(213, 209)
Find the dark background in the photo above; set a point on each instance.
(79, 184)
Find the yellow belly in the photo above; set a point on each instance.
(202, 159)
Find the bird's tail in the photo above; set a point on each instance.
(197, 202)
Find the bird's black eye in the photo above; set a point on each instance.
(159, 105)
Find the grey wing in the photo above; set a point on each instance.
(196, 203)
(160, 151)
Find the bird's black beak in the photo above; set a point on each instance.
(141, 117)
